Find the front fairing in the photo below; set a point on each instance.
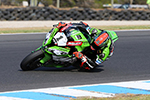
(49, 37)
(58, 51)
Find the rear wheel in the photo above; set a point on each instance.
(31, 61)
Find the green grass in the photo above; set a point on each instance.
(46, 29)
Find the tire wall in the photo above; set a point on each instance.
(47, 13)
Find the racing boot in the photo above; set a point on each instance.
(86, 63)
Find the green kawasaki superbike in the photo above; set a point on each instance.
(58, 46)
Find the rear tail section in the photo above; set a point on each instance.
(113, 35)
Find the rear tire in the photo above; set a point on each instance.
(31, 61)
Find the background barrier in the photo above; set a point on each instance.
(47, 13)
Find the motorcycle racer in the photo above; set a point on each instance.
(100, 50)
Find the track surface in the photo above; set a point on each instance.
(129, 62)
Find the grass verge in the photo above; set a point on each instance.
(119, 97)
(25, 30)
(46, 29)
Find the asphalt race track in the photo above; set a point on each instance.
(130, 62)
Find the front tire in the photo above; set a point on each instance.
(31, 61)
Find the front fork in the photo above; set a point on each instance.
(46, 58)
(46, 55)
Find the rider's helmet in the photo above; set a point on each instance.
(61, 24)
(100, 41)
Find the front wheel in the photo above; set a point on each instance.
(31, 61)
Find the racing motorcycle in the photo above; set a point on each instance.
(58, 46)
